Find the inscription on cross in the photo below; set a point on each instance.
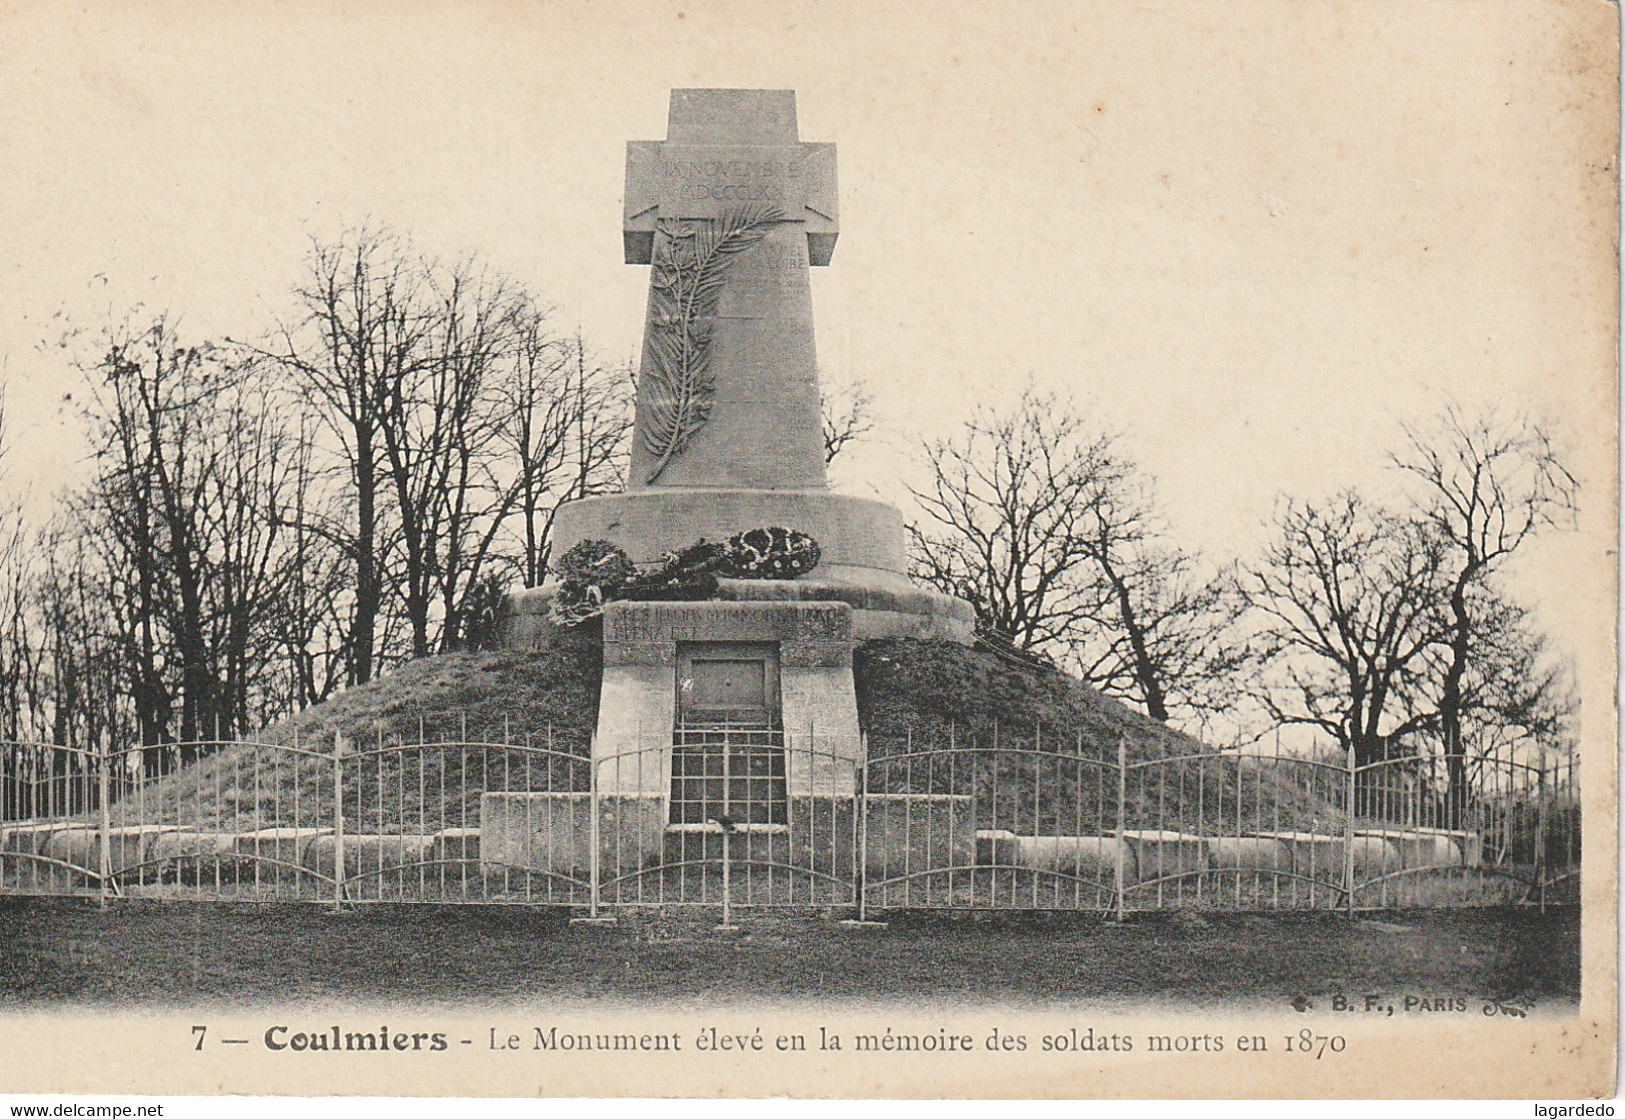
(729, 210)
(724, 147)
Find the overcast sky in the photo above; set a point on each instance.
(1253, 236)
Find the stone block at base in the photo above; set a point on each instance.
(22, 855)
(176, 845)
(128, 848)
(368, 858)
(1421, 848)
(28, 839)
(1091, 857)
(1448, 846)
(278, 845)
(631, 830)
(1165, 854)
(1255, 853)
(551, 833)
(1314, 856)
(456, 845)
(196, 857)
(547, 833)
(911, 833)
(1374, 856)
(997, 847)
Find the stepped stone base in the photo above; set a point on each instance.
(648, 523)
(861, 543)
(883, 604)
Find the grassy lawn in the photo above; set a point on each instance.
(243, 955)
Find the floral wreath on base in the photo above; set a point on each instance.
(595, 572)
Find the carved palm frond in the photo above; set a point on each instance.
(690, 266)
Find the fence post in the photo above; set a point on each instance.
(1122, 812)
(104, 829)
(1540, 836)
(727, 868)
(338, 821)
(860, 857)
(1349, 801)
(593, 826)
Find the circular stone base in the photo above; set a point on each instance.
(862, 562)
(646, 524)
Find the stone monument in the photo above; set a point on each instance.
(729, 212)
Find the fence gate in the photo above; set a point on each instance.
(1434, 831)
(728, 815)
(990, 828)
(460, 821)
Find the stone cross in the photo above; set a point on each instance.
(730, 210)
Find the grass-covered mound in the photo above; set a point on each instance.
(920, 694)
(502, 696)
(466, 706)
(1038, 746)
(1039, 750)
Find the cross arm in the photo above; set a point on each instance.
(800, 178)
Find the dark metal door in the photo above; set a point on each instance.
(725, 682)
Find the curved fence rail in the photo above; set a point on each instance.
(1006, 827)
(745, 818)
(729, 816)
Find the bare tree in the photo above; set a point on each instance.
(252, 493)
(561, 420)
(82, 695)
(360, 335)
(193, 474)
(310, 625)
(20, 660)
(64, 679)
(249, 542)
(436, 435)
(1489, 483)
(1513, 694)
(1040, 522)
(1160, 634)
(149, 395)
(1348, 597)
(455, 412)
(1004, 520)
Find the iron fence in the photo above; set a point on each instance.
(746, 817)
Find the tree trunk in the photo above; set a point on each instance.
(1145, 672)
(1450, 710)
(368, 593)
